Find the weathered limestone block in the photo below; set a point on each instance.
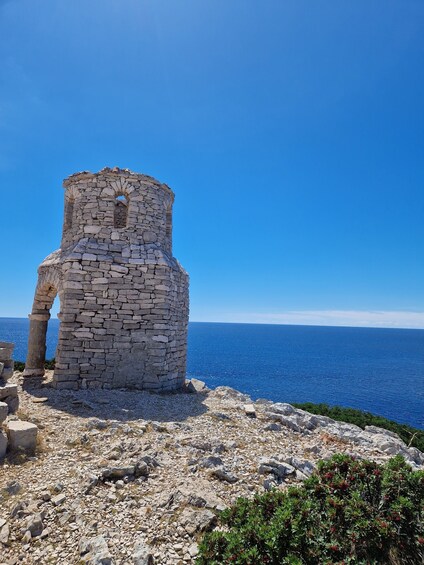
(6, 360)
(6, 351)
(95, 551)
(9, 395)
(35, 525)
(3, 444)
(22, 436)
(8, 390)
(7, 373)
(4, 411)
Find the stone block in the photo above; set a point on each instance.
(12, 403)
(3, 444)
(8, 390)
(4, 410)
(7, 373)
(249, 410)
(4, 356)
(22, 436)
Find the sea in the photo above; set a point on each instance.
(373, 369)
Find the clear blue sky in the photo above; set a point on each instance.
(291, 131)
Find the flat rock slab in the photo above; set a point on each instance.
(8, 390)
(39, 399)
(22, 436)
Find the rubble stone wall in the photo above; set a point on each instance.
(123, 296)
(6, 360)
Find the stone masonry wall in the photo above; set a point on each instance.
(123, 296)
(6, 360)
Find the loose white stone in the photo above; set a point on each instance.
(249, 410)
(59, 499)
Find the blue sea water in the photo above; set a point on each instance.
(378, 370)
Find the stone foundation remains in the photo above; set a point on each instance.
(123, 296)
(15, 435)
(9, 401)
(6, 360)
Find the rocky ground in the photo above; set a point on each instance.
(134, 478)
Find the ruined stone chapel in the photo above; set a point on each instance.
(123, 296)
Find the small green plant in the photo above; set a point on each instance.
(19, 366)
(48, 364)
(349, 512)
(411, 436)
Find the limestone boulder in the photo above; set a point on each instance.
(142, 555)
(95, 551)
(195, 386)
(35, 525)
(280, 469)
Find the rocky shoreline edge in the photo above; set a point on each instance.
(134, 478)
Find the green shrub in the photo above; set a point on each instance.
(19, 365)
(349, 512)
(48, 364)
(411, 436)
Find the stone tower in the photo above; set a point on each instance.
(123, 296)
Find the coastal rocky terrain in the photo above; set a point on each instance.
(134, 478)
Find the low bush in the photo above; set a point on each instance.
(411, 436)
(349, 512)
(48, 364)
(19, 365)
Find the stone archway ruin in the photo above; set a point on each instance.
(48, 287)
(123, 296)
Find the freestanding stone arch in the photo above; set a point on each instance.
(45, 293)
(123, 296)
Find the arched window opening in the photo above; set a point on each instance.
(121, 212)
(69, 213)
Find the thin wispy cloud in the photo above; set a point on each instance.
(356, 318)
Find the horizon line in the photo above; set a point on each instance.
(377, 319)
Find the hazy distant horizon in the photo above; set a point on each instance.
(292, 322)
